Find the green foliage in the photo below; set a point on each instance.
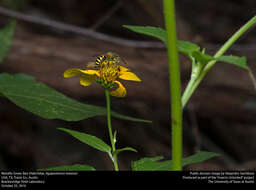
(89, 140)
(14, 4)
(6, 35)
(155, 32)
(155, 163)
(198, 157)
(76, 167)
(183, 46)
(96, 142)
(151, 164)
(117, 151)
(203, 59)
(45, 102)
(235, 60)
(187, 48)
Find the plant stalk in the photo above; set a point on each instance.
(110, 129)
(175, 89)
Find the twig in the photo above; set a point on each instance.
(99, 36)
(80, 30)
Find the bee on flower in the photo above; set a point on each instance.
(106, 71)
(112, 57)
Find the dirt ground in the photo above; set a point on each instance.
(220, 117)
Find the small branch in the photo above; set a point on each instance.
(80, 30)
(99, 36)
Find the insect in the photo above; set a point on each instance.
(107, 58)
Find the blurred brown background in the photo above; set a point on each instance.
(220, 117)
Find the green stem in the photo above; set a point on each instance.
(175, 89)
(110, 129)
(192, 87)
(188, 91)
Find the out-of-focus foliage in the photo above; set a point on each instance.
(6, 35)
(14, 4)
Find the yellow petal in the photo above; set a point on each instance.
(129, 76)
(74, 71)
(86, 80)
(123, 69)
(71, 72)
(91, 72)
(120, 91)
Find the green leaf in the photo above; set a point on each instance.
(117, 151)
(198, 157)
(151, 164)
(45, 102)
(187, 48)
(6, 35)
(155, 163)
(235, 60)
(159, 33)
(201, 57)
(76, 167)
(156, 32)
(90, 140)
(124, 117)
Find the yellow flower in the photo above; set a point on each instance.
(106, 75)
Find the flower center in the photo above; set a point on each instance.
(109, 72)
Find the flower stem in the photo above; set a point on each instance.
(194, 84)
(110, 129)
(175, 89)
